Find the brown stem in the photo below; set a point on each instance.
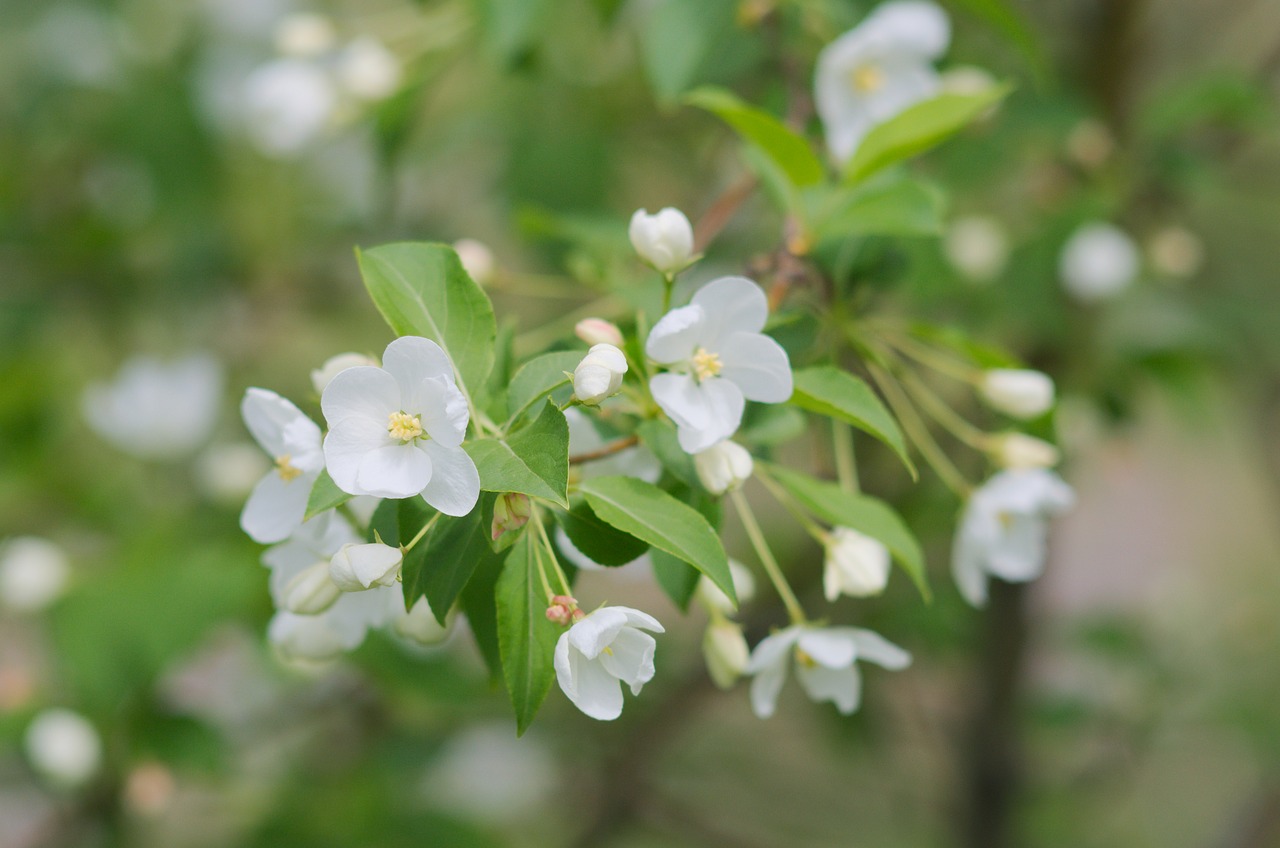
(722, 210)
(608, 450)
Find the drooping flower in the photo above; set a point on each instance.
(64, 747)
(724, 647)
(1020, 392)
(602, 651)
(825, 660)
(723, 467)
(155, 409)
(714, 598)
(877, 70)
(33, 573)
(278, 503)
(1098, 262)
(856, 565)
(397, 431)
(599, 374)
(718, 358)
(1004, 528)
(663, 239)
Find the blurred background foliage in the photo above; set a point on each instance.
(1127, 699)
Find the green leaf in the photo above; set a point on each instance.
(789, 151)
(648, 513)
(440, 565)
(526, 639)
(534, 460)
(477, 602)
(512, 27)
(660, 438)
(863, 513)
(325, 495)
(598, 540)
(892, 207)
(838, 394)
(539, 377)
(923, 126)
(421, 289)
(676, 577)
(683, 43)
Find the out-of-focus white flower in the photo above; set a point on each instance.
(397, 431)
(726, 652)
(335, 365)
(63, 747)
(856, 565)
(228, 472)
(476, 258)
(419, 625)
(33, 573)
(367, 70)
(1098, 262)
(279, 500)
(825, 660)
(596, 331)
(744, 586)
(311, 591)
(602, 651)
(1176, 252)
(157, 410)
(599, 374)
(1019, 392)
(718, 358)
(663, 239)
(355, 568)
(1018, 450)
(287, 104)
(1004, 528)
(78, 43)
(486, 774)
(978, 247)
(723, 467)
(1090, 143)
(877, 70)
(304, 35)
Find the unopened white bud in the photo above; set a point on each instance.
(726, 652)
(476, 258)
(64, 747)
(358, 567)
(856, 565)
(664, 239)
(311, 591)
(367, 70)
(419, 624)
(723, 467)
(1098, 262)
(744, 586)
(1018, 450)
(305, 34)
(335, 365)
(33, 573)
(977, 247)
(599, 374)
(1019, 392)
(596, 331)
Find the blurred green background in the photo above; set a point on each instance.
(159, 197)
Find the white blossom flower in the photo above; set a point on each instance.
(367, 70)
(155, 409)
(311, 591)
(305, 34)
(596, 331)
(723, 467)
(978, 247)
(287, 104)
(487, 775)
(397, 431)
(64, 747)
(663, 239)
(1019, 392)
(744, 586)
(825, 659)
(33, 573)
(476, 258)
(1018, 450)
(725, 650)
(335, 365)
(856, 565)
(599, 374)
(419, 625)
(718, 358)
(877, 70)
(1098, 262)
(1004, 527)
(292, 440)
(602, 651)
(356, 567)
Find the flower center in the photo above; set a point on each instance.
(803, 658)
(866, 79)
(286, 469)
(706, 364)
(403, 426)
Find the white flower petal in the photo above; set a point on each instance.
(705, 413)
(347, 444)
(917, 26)
(596, 631)
(842, 686)
(361, 392)
(773, 649)
(410, 360)
(630, 658)
(267, 415)
(677, 334)
(454, 486)
(732, 305)
(766, 685)
(586, 683)
(394, 471)
(275, 507)
(758, 366)
(872, 647)
(643, 620)
(443, 411)
(828, 647)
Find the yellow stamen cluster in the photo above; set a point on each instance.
(706, 364)
(403, 426)
(866, 79)
(286, 469)
(803, 658)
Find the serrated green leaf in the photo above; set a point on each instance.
(526, 639)
(788, 150)
(442, 563)
(533, 461)
(838, 394)
(648, 513)
(421, 289)
(539, 377)
(325, 495)
(917, 129)
(863, 513)
(598, 540)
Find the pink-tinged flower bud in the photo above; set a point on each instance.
(511, 511)
(477, 259)
(596, 331)
(563, 610)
